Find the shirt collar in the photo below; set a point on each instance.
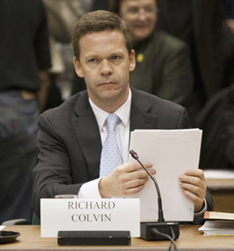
(123, 112)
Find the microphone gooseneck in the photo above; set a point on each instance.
(160, 230)
(160, 209)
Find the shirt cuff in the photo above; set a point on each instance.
(90, 190)
(199, 217)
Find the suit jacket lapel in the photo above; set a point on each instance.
(140, 117)
(85, 121)
(90, 143)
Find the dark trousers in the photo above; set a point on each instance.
(18, 154)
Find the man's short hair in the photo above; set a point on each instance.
(96, 21)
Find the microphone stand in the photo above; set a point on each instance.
(160, 230)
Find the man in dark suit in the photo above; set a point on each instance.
(71, 136)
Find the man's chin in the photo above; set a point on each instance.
(110, 95)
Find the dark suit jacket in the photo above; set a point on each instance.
(70, 142)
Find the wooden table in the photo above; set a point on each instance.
(223, 194)
(190, 239)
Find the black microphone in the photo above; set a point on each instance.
(160, 230)
(160, 210)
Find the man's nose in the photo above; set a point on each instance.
(106, 68)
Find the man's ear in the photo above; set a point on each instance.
(78, 67)
(132, 59)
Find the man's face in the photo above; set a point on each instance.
(140, 15)
(105, 64)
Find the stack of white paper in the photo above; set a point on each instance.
(218, 227)
(172, 152)
(218, 223)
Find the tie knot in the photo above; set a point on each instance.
(112, 120)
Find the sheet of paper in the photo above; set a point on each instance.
(218, 227)
(172, 152)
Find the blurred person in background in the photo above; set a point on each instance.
(200, 24)
(216, 118)
(62, 16)
(163, 65)
(24, 82)
(229, 44)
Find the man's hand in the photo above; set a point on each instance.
(127, 179)
(194, 187)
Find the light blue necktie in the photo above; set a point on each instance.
(110, 156)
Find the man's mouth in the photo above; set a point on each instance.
(106, 83)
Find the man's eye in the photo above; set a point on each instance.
(92, 60)
(115, 58)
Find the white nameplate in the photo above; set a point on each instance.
(89, 214)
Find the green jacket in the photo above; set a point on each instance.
(163, 68)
